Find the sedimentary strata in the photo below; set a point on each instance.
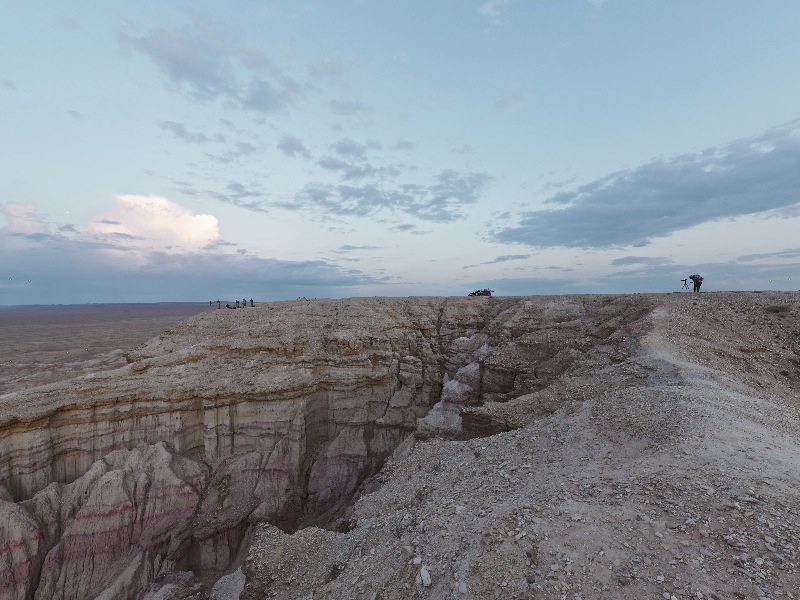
(153, 479)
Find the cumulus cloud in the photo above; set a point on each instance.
(630, 208)
(148, 249)
(155, 223)
(208, 63)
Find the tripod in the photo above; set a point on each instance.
(685, 284)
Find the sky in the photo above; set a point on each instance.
(193, 151)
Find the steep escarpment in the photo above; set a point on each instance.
(282, 413)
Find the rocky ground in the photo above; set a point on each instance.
(673, 473)
(642, 446)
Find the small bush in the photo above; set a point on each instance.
(777, 309)
(334, 572)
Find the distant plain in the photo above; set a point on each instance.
(41, 344)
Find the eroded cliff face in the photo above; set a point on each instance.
(279, 413)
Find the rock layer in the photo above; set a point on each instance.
(279, 413)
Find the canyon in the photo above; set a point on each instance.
(417, 447)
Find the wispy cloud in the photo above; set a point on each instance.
(511, 99)
(790, 253)
(345, 108)
(500, 259)
(237, 194)
(492, 9)
(328, 69)
(630, 208)
(443, 200)
(180, 131)
(208, 63)
(23, 218)
(347, 249)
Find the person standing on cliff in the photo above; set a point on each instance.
(697, 280)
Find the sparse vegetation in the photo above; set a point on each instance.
(778, 309)
(334, 572)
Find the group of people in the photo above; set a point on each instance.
(241, 304)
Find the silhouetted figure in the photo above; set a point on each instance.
(229, 306)
(237, 304)
(218, 304)
(685, 284)
(251, 302)
(244, 301)
(697, 280)
(484, 292)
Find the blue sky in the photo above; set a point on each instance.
(157, 151)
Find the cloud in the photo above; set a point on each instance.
(444, 200)
(179, 131)
(350, 148)
(491, 9)
(153, 223)
(351, 161)
(632, 207)
(789, 253)
(239, 150)
(241, 195)
(507, 257)
(510, 100)
(266, 96)
(641, 260)
(7, 84)
(500, 259)
(328, 69)
(149, 249)
(405, 145)
(355, 169)
(208, 63)
(345, 108)
(292, 147)
(347, 248)
(76, 115)
(23, 218)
